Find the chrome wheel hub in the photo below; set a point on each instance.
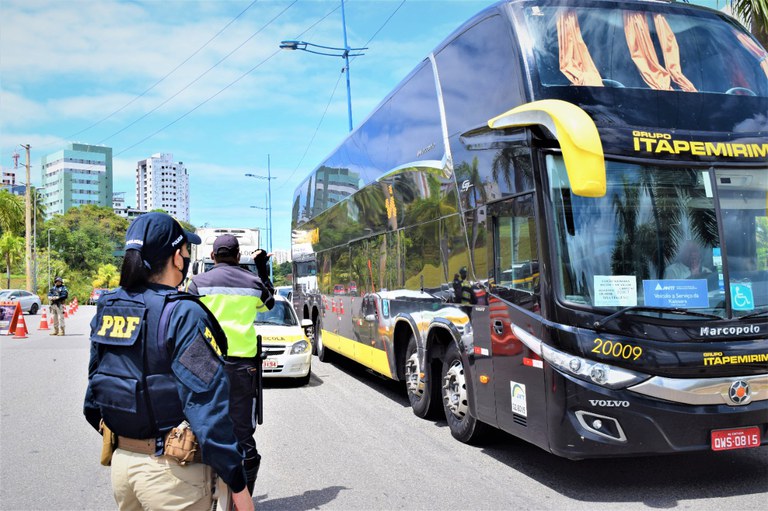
(455, 390)
(413, 376)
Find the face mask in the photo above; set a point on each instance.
(184, 269)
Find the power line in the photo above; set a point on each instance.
(187, 86)
(226, 86)
(166, 75)
(333, 93)
(386, 21)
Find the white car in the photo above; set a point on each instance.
(284, 342)
(285, 291)
(30, 302)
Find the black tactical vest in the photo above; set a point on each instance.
(133, 384)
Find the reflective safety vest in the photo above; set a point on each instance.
(234, 296)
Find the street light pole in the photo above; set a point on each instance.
(337, 52)
(49, 257)
(28, 224)
(269, 179)
(34, 238)
(346, 65)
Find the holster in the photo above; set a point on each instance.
(108, 444)
(181, 444)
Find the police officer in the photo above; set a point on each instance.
(234, 295)
(156, 363)
(56, 297)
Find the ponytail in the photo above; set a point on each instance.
(134, 273)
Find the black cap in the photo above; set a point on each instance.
(226, 244)
(157, 236)
(58, 279)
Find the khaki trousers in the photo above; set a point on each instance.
(142, 481)
(57, 316)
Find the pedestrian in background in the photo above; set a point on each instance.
(235, 295)
(56, 297)
(156, 381)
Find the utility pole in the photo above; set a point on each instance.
(28, 226)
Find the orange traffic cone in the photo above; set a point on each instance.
(64, 311)
(44, 322)
(21, 329)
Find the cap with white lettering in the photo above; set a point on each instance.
(157, 236)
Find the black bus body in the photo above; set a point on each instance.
(556, 225)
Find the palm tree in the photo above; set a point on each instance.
(11, 212)
(11, 250)
(755, 14)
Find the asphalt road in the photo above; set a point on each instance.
(346, 441)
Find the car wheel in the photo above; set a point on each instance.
(463, 426)
(304, 380)
(33, 309)
(423, 392)
(325, 355)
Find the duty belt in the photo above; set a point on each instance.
(144, 446)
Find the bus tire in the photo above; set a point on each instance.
(423, 394)
(324, 354)
(312, 334)
(463, 426)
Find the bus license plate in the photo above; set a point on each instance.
(270, 363)
(741, 438)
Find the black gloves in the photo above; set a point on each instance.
(261, 259)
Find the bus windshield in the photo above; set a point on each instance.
(664, 237)
(663, 49)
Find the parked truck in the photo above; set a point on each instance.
(201, 254)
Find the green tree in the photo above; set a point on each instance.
(11, 212)
(755, 14)
(87, 237)
(106, 276)
(11, 250)
(280, 273)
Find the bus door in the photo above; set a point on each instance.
(513, 305)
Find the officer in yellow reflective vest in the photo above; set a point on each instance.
(234, 295)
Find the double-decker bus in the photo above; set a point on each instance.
(557, 225)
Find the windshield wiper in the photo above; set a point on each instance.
(643, 308)
(754, 314)
(262, 322)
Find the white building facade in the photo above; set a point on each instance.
(163, 184)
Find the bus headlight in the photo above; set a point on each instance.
(299, 347)
(588, 370)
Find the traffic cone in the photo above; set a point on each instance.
(21, 329)
(64, 311)
(44, 322)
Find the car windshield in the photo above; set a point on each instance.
(281, 314)
(674, 238)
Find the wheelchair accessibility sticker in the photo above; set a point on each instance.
(742, 298)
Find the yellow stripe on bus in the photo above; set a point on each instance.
(368, 356)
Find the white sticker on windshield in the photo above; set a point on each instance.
(615, 290)
(707, 184)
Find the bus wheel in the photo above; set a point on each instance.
(312, 337)
(464, 427)
(423, 393)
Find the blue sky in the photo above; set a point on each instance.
(205, 81)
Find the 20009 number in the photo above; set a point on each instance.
(617, 349)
